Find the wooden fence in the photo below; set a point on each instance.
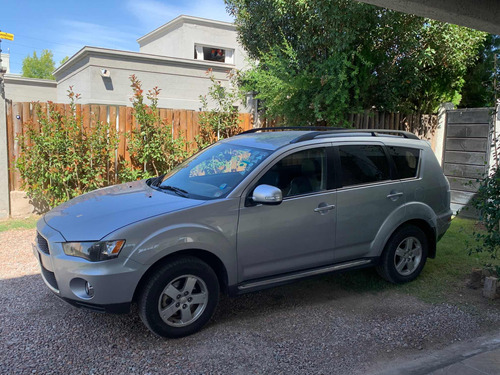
(184, 122)
(422, 125)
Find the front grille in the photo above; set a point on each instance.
(49, 277)
(43, 245)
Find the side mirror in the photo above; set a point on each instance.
(267, 194)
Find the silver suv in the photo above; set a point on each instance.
(254, 211)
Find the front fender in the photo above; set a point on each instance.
(209, 227)
(180, 237)
(404, 213)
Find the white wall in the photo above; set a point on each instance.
(6, 62)
(169, 42)
(181, 81)
(21, 89)
(180, 41)
(76, 75)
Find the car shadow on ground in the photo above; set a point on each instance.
(306, 292)
(28, 295)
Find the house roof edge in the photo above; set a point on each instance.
(88, 51)
(185, 19)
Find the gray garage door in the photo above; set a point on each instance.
(466, 154)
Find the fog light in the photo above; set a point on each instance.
(89, 289)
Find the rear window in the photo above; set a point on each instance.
(406, 160)
(363, 164)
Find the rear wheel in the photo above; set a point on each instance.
(180, 298)
(404, 256)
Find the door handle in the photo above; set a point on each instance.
(395, 195)
(324, 208)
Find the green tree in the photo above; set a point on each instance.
(478, 90)
(320, 59)
(65, 58)
(39, 67)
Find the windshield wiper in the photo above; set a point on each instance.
(156, 181)
(176, 190)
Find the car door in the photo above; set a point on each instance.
(297, 234)
(366, 197)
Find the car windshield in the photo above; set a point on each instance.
(214, 172)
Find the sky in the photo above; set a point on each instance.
(64, 27)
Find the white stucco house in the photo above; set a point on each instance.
(175, 57)
(4, 62)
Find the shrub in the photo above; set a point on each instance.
(59, 159)
(222, 121)
(487, 202)
(152, 146)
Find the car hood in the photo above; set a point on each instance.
(93, 215)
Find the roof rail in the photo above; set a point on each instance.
(305, 128)
(323, 130)
(344, 132)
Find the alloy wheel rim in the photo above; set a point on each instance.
(183, 301)
(408, 256)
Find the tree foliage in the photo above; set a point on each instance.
(63, 60)
(39, 67)
(478, 89)
(152, 146)
(487, 203)
(219, 117)
(320, 59)
(60, 159)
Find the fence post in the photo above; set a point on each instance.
(441, 131)
(4, 162)
(495, 141)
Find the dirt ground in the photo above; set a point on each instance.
(313, 326)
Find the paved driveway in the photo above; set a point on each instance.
(312, 327)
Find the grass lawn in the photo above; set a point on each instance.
(10, 224)
(439, 277)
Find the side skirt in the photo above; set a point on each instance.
(269, 282)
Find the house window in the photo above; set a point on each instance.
(214, 54)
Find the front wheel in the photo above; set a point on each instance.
(404, 256)
(179, 298)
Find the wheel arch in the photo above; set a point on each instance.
(211, 259)
(429, 232)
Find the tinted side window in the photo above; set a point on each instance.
(362, 164)
(406, 160)
(301, 173)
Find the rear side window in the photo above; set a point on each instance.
(406, 160)
(363, 164)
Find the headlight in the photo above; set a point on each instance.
(94, 251)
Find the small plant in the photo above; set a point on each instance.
(487, 202)
(60, 159)
(222, 120)
(152, 146)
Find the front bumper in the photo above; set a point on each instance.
(113, 282)
(116, 308)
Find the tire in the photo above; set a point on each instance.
(185, 291)
(404, 255)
